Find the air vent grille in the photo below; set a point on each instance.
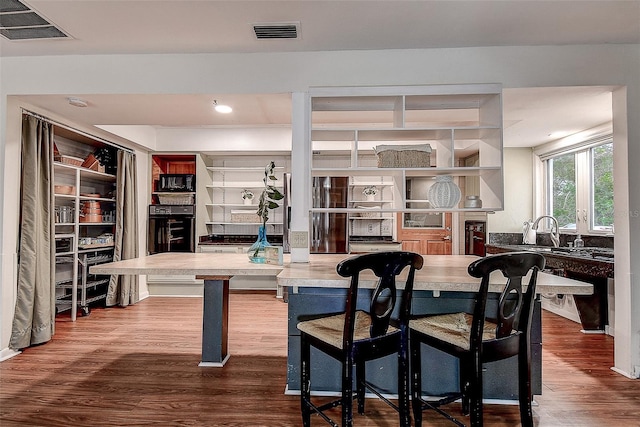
(276, 31)
(18, 22)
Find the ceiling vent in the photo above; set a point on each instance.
(272, 31)
(18, 22)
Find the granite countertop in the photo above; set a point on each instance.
(591, 261)
(236, 240)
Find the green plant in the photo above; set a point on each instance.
(269, 195)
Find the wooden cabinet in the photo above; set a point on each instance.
(426, 240)
(171, 163)
(456, 121)
(84, 220)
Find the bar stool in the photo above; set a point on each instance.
(479, 337)
(357, 336)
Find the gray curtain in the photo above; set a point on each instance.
(34, 318)
(123, 290)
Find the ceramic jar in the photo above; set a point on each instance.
(472, 202)
(444, 193)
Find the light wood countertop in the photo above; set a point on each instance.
(439, 273)
(186, 263)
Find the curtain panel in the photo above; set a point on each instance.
(124, 290)
(34, 316)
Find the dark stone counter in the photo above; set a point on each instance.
(235, 240)
(596, 262)
(593, 265)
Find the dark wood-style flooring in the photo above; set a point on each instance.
(138, 366)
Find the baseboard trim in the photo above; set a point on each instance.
(8, 353)
(510, 402)
(214, 364)
(624, 373)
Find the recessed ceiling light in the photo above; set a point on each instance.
(558, 134)
(77, 102)
(221, 108)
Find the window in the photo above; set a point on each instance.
(602, 187)
(563, 192)
(580, 188)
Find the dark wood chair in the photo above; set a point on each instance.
(478, 337)
(356, 336)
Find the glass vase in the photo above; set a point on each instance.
(256, 251)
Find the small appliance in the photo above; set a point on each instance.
(177, 182)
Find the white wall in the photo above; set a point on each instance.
(235, 139)
(518, 190)
(532, 66)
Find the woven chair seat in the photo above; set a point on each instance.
(454, 328)
(330, 329)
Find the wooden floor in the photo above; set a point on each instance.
(138, 366)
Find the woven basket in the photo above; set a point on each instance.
(244, 216)
(404, 156)
(175, 199)
(369, 211)
(70, 160)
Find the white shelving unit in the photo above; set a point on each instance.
(457, 121)
(81, 243)
(372, 217)
(228, 176)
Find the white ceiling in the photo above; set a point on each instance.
(207, 26)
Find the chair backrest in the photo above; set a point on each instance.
(515, 309)
(386, 266)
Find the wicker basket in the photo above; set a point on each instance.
(369, 212)
(245, 216)
(404, 156)
(91, 162)
(70, 160)
(175, 199)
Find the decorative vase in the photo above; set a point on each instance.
(248, 202)
(444, 193)
(370, 197)
(256, 251)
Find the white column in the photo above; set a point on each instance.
(627, 232)
(300, 175)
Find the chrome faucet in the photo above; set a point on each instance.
(555, 237)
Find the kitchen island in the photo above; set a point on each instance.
(442, 285)
(313, 288)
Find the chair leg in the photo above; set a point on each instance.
(305, 380)
(360, 384)
(475, 392)
(347, 392)
(464, 386)
(416, 381)
(524, 387)
(403, 385)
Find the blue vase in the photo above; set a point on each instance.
(256, 251)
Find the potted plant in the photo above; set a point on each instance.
(247, 196)
(267, 201)
(370, 192)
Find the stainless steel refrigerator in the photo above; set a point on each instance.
(329, 231)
